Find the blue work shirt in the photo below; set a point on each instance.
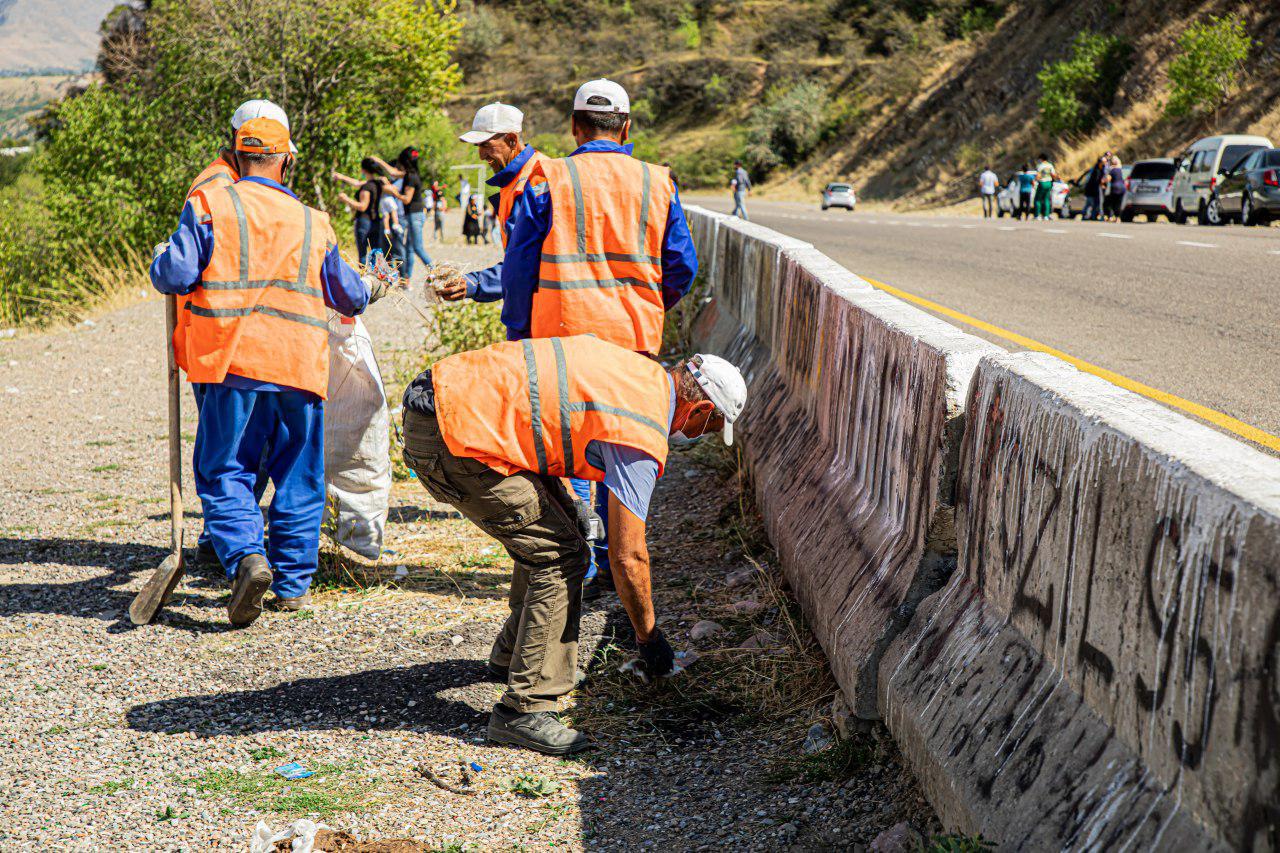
(486, 285)
(629, 474)
(530, 224)
(178, 269)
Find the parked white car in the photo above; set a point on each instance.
(1149, 190)
(1200, 168)
(838, 195)
(1007, 199)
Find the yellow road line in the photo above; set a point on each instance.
(1214, 417)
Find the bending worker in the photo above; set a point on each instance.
(260, 268)
(491, 432)
(223, 171)
(596, 244)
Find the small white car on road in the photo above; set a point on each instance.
(838, 195)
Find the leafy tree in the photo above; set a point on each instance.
(1210, 58)
(1074, 91)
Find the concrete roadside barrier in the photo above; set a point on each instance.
(1101, 672)
(852, 433)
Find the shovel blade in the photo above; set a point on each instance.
(155, 594)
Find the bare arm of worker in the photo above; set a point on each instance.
(629, 558)
(393, 171)
(341, 178)
(390, 189)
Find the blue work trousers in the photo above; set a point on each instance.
(235, 427)
(259, 486)
(599, 548)
(413, 236)
(739, 205)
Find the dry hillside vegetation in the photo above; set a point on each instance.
(23, 96)
(907, 98)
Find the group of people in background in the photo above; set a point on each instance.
(1104, 189)
(390, 208)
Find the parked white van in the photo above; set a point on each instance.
(1200, 168)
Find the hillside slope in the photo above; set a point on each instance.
(907, 98)
(50, 36)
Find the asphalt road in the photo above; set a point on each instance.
(1190, 310)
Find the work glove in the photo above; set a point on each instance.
(378, 287)
(657, 656)
(159, 250)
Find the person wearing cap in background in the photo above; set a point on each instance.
(260, 268)
(598, 245)
(496, 132)
(492, 431)
(223, 171)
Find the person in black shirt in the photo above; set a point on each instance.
(365, 206)
(411, 193)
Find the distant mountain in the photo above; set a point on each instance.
(50, 35)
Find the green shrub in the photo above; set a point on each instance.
(1074, 91)
(787, 126)
(1210, 57)
(690, 33)
(979, 19)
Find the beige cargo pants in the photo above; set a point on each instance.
(532, 517)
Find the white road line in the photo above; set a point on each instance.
(968, 226)
(1006, 228)
(1054, 231)
(940, 225)
(1197, 245)
(1274, 252)
(1115, 236)
(915, 224)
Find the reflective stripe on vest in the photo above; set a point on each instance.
(216, 174)
(535, 405)
(259, 309)
(507, 195)
(601, 264)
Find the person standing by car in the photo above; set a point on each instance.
(364, 207)
(1026, 190)
(1046, 174)
(1093, 191)
(1115, 190)
(414, 198)
(988, 183)
(437, 193)
(740, 184)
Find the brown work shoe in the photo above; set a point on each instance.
(291, 605)
(253, 578)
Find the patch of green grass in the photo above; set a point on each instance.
(262, 753)
(834, 764)
(97, 667)
(99, 442)
(533, 785)
(56, 730)
(169, 813)
(305, 614)
(99, 469)
(956, 843)
(111, 787)
(188, 436)
(327, 793)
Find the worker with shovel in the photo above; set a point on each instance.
(223, 171)
(260, 268)
(492, 431)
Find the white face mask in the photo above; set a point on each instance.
(679, 439)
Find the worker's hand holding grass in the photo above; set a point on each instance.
(449, 282)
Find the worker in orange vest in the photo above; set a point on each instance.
(260, 269)
(596, 244)
(492, 431)
(223, 171)
(496, 132)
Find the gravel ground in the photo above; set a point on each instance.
(165, 737)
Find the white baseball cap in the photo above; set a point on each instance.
(260, 108)
(491, 120)
(615, 97)
(724, 386)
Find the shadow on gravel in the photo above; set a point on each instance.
(94, 597)
(369, 700)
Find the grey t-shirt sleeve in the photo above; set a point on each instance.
(629, 473)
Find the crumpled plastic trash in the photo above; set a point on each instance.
(683, 661)
(303, 832)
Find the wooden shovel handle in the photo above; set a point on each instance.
(175, 428)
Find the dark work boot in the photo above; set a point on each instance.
(207, 562)
(253, 578)
(540, 731)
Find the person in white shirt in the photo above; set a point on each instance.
(988, 183)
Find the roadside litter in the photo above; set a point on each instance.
(293, 770)
(465, 772)
(682, 662)
(303, 832)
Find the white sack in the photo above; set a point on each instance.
(357, 447)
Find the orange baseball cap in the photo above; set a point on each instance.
(273, 135)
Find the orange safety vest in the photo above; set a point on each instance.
(219, 173)
(601, 270)
(535, 405)
(507, 195)
(259, 309)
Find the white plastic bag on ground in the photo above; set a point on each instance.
(303, 832)
(357, 447)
